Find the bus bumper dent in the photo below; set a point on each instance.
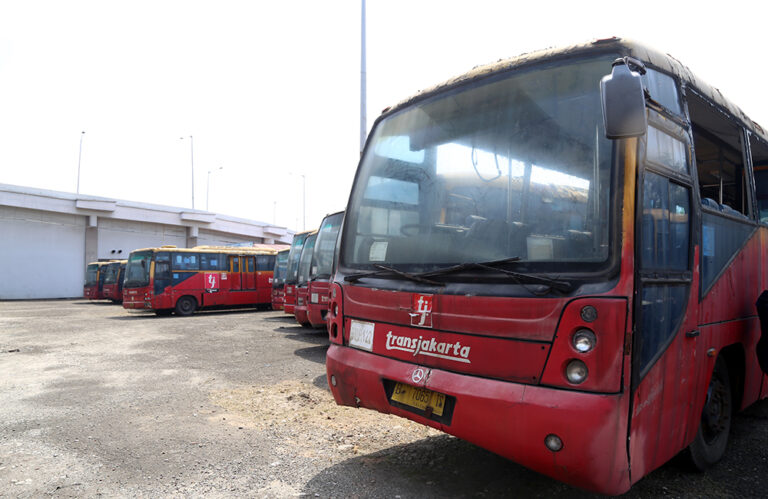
(509, 419)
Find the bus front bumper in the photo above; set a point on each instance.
(509, 419)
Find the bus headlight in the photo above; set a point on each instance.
(584, 340)
(576, 372)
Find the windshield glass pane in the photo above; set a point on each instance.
(292, 275)
(514, 166)
(325, 246)
(91, 274)
(137, 270)
(110, 274)
(281, 268)
(306, 259)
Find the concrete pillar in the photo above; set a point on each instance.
(192, 233)
(91, 239)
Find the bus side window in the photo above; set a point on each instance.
(760, 167)
(235, 264)
(250, 265)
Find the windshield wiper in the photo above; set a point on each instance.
(494, 265)
(384, 270)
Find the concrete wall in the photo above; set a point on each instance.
(117, 238)
(42, 254)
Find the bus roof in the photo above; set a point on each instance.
(625, 47)
(264, 249)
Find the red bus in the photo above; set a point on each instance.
(582, 305)
(169, 279)
(113, 280)
(322, 268)
(292, 273)
(302, 289)
(94, 280)
(278, 280)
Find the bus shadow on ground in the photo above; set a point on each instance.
(280, 319)
(313, 354)
(202, 313)
(439, 466)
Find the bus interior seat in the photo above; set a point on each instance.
(710, 203)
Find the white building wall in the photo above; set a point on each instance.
(42, 254)
(213, 238)
(117, 238)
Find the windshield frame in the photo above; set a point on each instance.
(149, 257)
(579, 271)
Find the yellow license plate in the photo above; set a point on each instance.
(420, 398)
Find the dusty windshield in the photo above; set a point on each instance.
(137, 270)
(514, 166)
(91, 274)
(292, 273)
(306, 259)
(325, 246)
(110, 275)
(281, 268)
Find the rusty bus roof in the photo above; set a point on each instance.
(623, 47)
(229, 250)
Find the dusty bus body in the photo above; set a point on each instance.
(292, 273)
(579, 304)
(93, 289)
(318, 289)
(302, 283)
(113, 281)
(278, 280)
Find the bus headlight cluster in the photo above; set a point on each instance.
(576, 372)
(584, 340)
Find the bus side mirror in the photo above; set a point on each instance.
(623, 101)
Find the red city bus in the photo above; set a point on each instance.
(278, 280)
(113, 280)
(582, 305)
(322, 268)
(183, 280)
(292, 273)
(94, 280)
(302, 289)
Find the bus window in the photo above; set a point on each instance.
(212, 262)
(760, 166)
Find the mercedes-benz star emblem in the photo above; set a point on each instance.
(418, 375)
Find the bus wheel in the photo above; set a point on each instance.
(712, 437)
(186, 306)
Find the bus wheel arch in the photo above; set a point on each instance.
(711, 438)
(186, 305)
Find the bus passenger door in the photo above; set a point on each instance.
(248, 273)
(236, 282)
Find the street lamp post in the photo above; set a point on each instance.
(192, 166)
(208, 185)
(79, 157)
(303, 199)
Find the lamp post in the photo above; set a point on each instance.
(208, 185)
(79, 157)
(303, 199)
(363, 118)
(192, 166)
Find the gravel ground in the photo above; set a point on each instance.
(98, 401)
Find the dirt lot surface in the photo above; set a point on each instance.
(98, 401)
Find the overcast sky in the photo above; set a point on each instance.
(270, 91)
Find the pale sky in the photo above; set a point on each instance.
(270, 91)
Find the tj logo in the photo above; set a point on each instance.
(422, 311)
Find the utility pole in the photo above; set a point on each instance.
(79, 158)
(363, 119)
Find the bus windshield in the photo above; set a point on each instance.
(292, 273)
(325, 246)
(305, 262)
(110, 274)
(91, 274)
(137, 270)
(281, 267)
(512, 166)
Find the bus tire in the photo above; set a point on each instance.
(711, 439)
(186, 306)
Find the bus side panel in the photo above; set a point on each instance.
(264, 286)
(510, 419)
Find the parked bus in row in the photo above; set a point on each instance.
(318, 287)
(113, 280)
(94, 280)
(302, 282)
(557, 257)
(181, 280)
(278, 280)
(292, 272)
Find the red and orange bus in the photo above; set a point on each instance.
(113, 280)
(557, 257)
(292, 273)
(94, 280)
(169, 279)
(302, 283)
(322, 267)
(278, 279)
